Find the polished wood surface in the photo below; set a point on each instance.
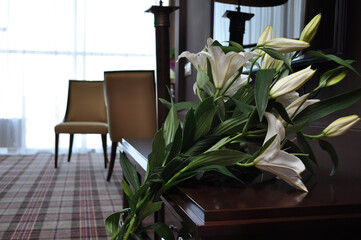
(268, 206)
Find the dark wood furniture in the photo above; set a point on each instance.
(266, 207)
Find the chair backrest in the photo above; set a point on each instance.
(86, 102)
(131, 104)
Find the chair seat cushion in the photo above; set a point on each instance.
(82, 127)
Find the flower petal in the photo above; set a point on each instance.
(287, 167)
(291, 82)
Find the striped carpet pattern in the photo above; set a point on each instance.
(70, 202)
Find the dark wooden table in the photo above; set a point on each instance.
(267, 207)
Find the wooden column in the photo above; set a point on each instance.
(161, 24)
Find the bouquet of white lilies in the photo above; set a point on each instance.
(244, 121)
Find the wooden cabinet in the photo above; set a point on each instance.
(266, 207)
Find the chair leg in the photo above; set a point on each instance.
(56, 150)
(70, 146)
(104, 142)
(112, 160)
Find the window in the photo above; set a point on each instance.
(44, 43)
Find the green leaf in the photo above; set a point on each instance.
(144, 188)
(264, 79)
(204, 123)
(221, 109)
(334, 58)
(128, 192)
(170, 126)
(332, 152)
(221, 169)
(325, 107)
(157, 156)
(204, 106)
(222, 157)
(202, 145)
(291, 129)
(239, 47)
(281, 110)
(277, 55)
(163, 231)
(148, 208)
(173, 166)
(129, 172)
(242, 107)
(305, 147)
(176, 145)
(112, 222)
(328, 75)
(204, 117)
(204, 83)
(234, 47)
(230, 126)
(179, 106)
(188, 130)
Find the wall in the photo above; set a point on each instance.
(195, 26)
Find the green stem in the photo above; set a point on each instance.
(251, 68)
(249, 120)
(116, 234)
(258, 131)
(175, 177)
(130, 228)
(246, 164)
(301, 154)
(314, 136)
(228, 141)
(217, 93)
(199, 94)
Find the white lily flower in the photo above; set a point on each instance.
(286, 45)
(284, 165)
(309, 32)
(291, 82)
(288, 98)
(197, 60)
(235, 85)
(294, 104)
(340, 126)
(224, 66)
(299, 105)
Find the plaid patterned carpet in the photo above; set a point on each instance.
(71, 202)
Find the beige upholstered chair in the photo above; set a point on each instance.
(85, 114)
(131, 105)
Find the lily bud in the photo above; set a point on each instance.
(266, 35)
(269, 62)
(291, 82)
(286, 45)
(336, 79)
(340, 126)
(309, 32)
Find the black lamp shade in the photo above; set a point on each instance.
(254, 3)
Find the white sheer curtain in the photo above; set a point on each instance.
(286, 20)
(44, 43)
